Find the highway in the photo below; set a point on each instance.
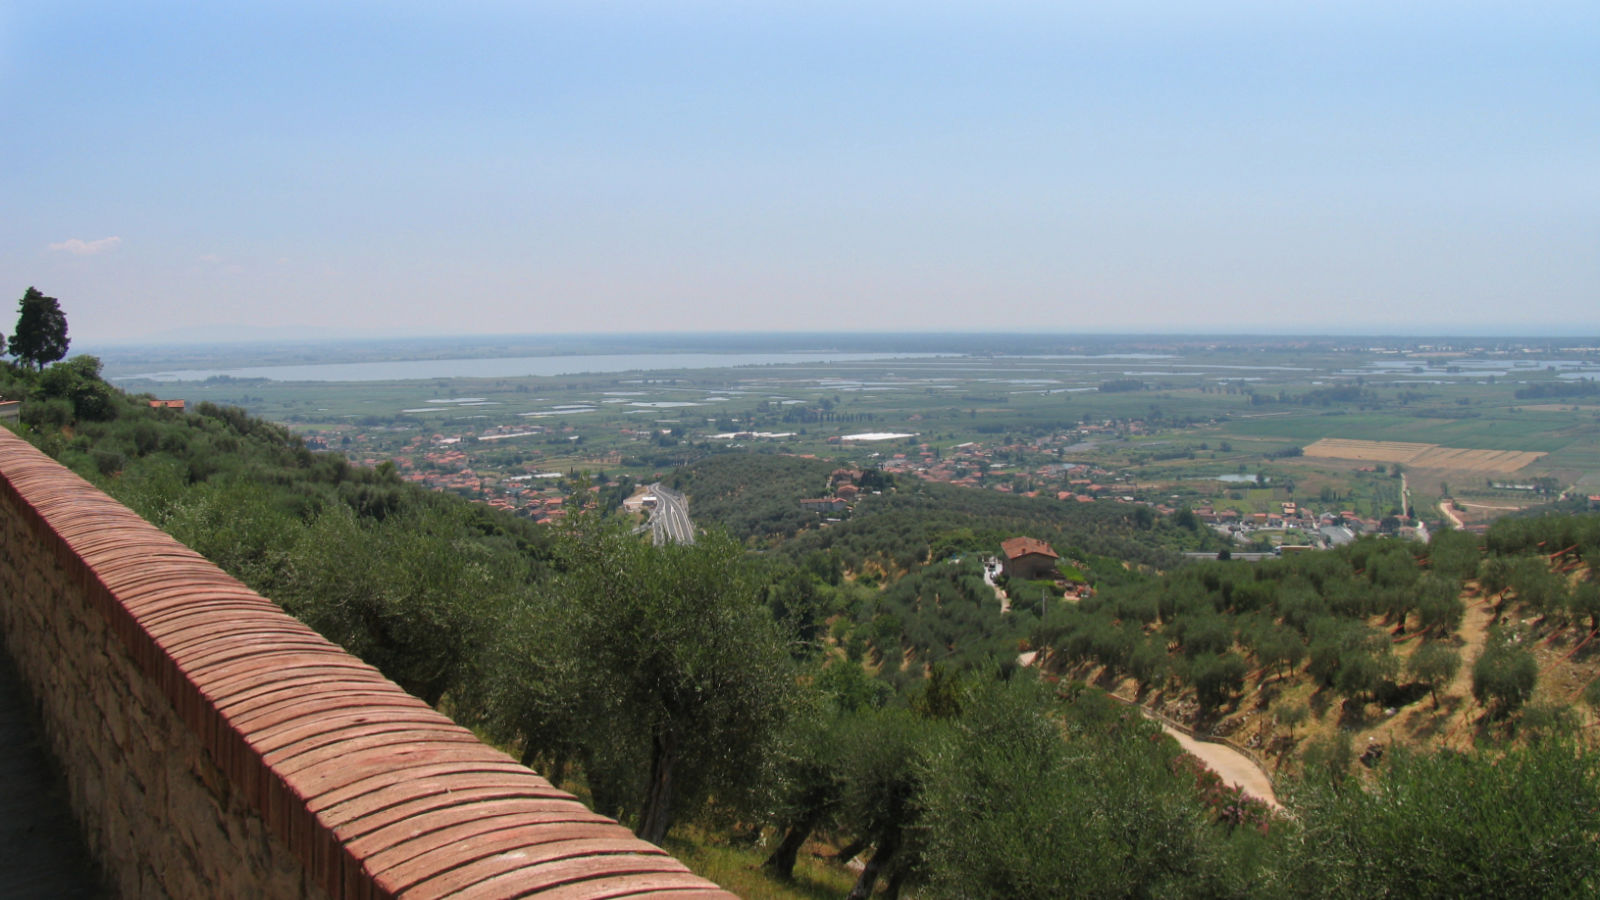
(669, 521)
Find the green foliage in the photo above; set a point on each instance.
(1340, 644)
(1454, 555)
(1010, 809)
(1279, 646)
(1536, 587)
(1436, 664)
(1217, 678)
(1438, 604)
(881, 759)
(1328, 760)
(40, 336)
(1292, 716)
(1451, 824)
(755, 496)
(1362, 672)
(667, 678)
(1504, 675)
(408, 593)
(898, 530)
(1584, 602)
(1591, 694)
(656, 666)
(77, 381)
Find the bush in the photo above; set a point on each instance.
(1504, 676)
(1216, 678)
(1450, 824)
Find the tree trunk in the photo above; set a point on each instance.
(557, 771)
(891, 891)
(875, 866)
(781, 863)
(603, 797)
(851, 850)
(656, 815)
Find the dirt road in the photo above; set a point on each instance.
(1234, 767)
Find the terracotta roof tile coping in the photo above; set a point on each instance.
(485, 815)
(674, 885)
(319, 797)
(293, 730)
(315, 752)
(472, 840)
(574, 875)
(352, 773)
(477, 859)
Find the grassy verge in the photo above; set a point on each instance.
(739, 869)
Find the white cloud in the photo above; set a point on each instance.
(80, 247)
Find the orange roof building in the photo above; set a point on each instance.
(1025, 557)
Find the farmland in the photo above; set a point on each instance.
(1157, 419)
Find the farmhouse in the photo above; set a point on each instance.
(824, 504)
(1025, 557)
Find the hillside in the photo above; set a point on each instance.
(855, 687)
(1308, 659)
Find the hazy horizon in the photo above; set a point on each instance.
(300, 335)
(384, 170)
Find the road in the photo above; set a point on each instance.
(1450, 514)
(669, 520)
(991, 568)
(1230, 765)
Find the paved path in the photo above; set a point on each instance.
(1234, 767)
(41, 852)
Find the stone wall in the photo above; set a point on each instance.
(215, 747)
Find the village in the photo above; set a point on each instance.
(538, 478)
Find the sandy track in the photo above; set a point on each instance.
(1232, 766)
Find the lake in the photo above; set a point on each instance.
(514, 367)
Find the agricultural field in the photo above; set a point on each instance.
(1246, 423)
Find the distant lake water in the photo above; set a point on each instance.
(515, 367)
(1234, 479)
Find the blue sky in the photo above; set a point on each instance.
(421, 168)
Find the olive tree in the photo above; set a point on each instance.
(1504, 676)
(657, 668)
(1435, 664)
(1464, 825)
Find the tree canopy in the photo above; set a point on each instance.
(41, 332)
(655, 667)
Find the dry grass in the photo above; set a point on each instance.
(1567, 661)
(1425, 456)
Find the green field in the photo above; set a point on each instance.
(1010, 412)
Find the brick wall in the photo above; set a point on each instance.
(216, 747)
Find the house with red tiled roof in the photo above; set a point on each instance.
(1025, 557)
(824, 504)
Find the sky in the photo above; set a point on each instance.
(335, 169)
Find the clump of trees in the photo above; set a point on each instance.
(1514, 824)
